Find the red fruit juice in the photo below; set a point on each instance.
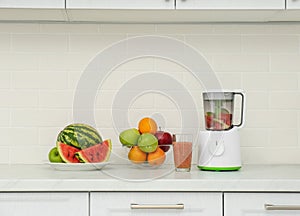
(182, 154)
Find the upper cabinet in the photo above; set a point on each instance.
(127, 11)
(29, 10)
(120, 4)
(293, 4)
(231, 4)
(290, 14)
(150, 11)
(46, 4)
(176, 11)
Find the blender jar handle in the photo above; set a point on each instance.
(241, 124)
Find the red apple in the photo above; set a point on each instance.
(164, 140)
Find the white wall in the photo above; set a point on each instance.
(40, 65)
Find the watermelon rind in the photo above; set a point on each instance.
(96, 154)
(67, 153)
(79, 135)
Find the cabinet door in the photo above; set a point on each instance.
(256, 204)
(120, 4)
(153, 203)
(59, 4)
(292, 4)
(43, 204)
(230, 4)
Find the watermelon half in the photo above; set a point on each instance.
(67, 152)
(95, 154)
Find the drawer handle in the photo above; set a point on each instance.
(281, 207)
(156, 206)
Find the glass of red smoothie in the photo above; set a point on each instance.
(182, 150)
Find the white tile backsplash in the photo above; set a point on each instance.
(17, 28)
(285, 100)
(285, 63)
(19, 99)
(241, 63)
(5, 117)
(57, 99)
(18, 61)
(5, 79)
(127, 29)
(22, 137)
(71, 28)
(254, 137)
(244, 29)
(5, 42)
(283, 137)
(93, 42)
(39, 80)
(271, 119)
(215, 44)
(32, 43)
(270, 44)
(184, 29)
(39, 117)
(41, 65)
(268, 81)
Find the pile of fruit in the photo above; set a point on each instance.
(147, 145)
(80, 143)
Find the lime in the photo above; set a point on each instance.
(147, 142)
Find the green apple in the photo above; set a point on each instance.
(129, 137)
(54, 156)
(147, 142)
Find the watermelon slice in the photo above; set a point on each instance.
(67, 152)
(95, 154)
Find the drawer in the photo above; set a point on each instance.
(156, 203)
(261, 204)
(45, 204)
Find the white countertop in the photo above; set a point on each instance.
(277, 178)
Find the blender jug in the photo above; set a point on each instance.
(219, 108)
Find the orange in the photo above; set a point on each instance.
(147, 125)
(157, 157)
(136, 155)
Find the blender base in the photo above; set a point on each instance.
(204, 168)
(219, 150)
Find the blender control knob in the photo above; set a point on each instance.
(217, 148)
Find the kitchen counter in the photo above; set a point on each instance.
(271, 178)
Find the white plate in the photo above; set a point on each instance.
(78, 166)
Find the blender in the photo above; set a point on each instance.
(219, 144)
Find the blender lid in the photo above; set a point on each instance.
(218, 95)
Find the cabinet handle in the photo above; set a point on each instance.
(281, 207)
(156, 206)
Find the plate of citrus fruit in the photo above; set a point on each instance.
(145, 145)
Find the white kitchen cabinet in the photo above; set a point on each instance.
(47, 4)
(127, 11)
(120, 4)
(44, 204)
(292, 4)
(176, 11)
(29, 10)
(230, 4)
(261, 204)
(155, 203)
